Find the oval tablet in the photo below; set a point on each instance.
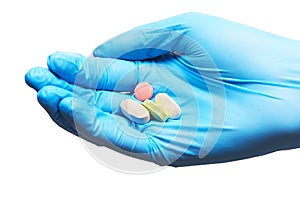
(155, 110)
(170, 107)
(143, 91)
(134, 111)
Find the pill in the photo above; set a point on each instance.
(143, 91)
(156, 111)
(134, 111)
(171, 108)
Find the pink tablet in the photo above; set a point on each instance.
(143, 91)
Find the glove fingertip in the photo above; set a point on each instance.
(65, 64)
(34, 77)
(43, 95)
(100, 51)
(66, 105)
(29, 78)
(96, 52)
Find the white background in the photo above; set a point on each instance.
(38, 160)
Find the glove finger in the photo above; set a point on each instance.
(143, 43)
(102, 128)
(39, 77)
(107, 101)
(173, 35)
(49, 98)
(94, 73)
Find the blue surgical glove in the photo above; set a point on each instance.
(238, 89)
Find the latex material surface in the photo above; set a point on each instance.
(238, 88)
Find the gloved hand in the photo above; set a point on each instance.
(238, 89)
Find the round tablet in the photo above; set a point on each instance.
(143, 91)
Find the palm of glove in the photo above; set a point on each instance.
(229, 111)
